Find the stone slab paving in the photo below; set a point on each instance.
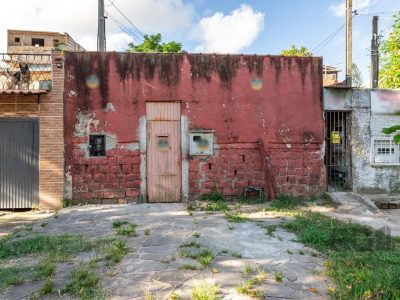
(154, 261)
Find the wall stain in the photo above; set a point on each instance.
(166, 65)
(83, 64)
(275, 61)
(255, 63)
(202, 66)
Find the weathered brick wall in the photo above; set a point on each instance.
(241, 98)
(51, 137)
(298, 170)
(114, 178)
(230, 170)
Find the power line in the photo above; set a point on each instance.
(126, 18)
(326, 40)
(123, 27)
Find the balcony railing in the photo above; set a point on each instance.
(23, 71)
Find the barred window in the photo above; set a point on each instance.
(385, 151)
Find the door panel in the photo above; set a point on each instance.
(19, 163)
(163, 155)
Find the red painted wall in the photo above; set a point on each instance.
(220, 92)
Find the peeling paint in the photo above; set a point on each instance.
(109, 107)
(84, 121)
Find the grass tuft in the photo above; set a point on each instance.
(187, 267)
(84, 283)
(125, 228)
(235, 218)
(206, 291)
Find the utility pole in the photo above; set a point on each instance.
(101, 29)
(374, 54)
(349, 41)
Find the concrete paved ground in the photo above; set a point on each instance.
(153, 263)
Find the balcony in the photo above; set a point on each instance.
(23, 73)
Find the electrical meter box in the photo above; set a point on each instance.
(201, 142)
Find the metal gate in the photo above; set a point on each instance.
(337, 152)
(163, 151)
(19, 163)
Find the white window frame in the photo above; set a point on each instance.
(392, 144)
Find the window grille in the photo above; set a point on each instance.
(385, 151)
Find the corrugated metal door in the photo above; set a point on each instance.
(163, 151)
(19, 163)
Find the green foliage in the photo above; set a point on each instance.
(116, 250)
(153, 43)
(357, 78)
(84, 283)
(235, 218)
(206, 291)
(294, 51)
(286, 203)
(60, 247)
(125, 228)
(190, 267)
(365, 263)
(391, 130)
(390, 58)
(215, 201)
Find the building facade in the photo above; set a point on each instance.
(171, 127)
(360, 157)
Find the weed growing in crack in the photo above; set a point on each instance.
(279, 276)
(271, 230)
(125, 228)
(235, 218)
(206, 291)
(196, 235)
(84, 283)
(248, 270)
(147, 231)
(191, 244)
(188, 267)
(236, 254)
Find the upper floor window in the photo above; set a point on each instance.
(55, 43)
(17, 39)
(37, 42)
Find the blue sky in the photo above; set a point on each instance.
(306, 22)
(234, 26)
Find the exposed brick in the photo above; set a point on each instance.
(126, 169)
(115, 169)
(132, 192)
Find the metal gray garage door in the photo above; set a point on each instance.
(19, 163)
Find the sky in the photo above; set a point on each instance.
(224, 26)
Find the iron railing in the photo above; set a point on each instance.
(23, 71)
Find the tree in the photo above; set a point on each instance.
(390, 67)
(357, 79)
(390, 57)
(153, 43)
(294, 51)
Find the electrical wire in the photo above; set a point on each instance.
(126, 18)
(123, 27)
(326, 40)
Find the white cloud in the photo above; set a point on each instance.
(229, 33)
(339, 9)
(79, 18)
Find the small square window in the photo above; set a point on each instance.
(55, 43)
(97, 145)
(385, 151)
(17, 40)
